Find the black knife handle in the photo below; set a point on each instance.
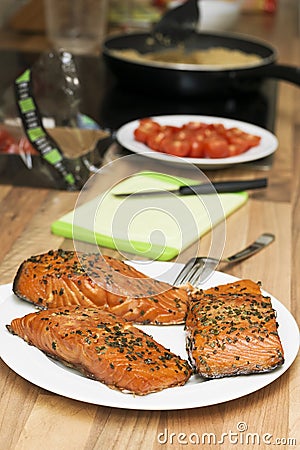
(224, 186)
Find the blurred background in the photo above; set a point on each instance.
(23, 24)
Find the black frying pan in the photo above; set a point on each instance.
(188, 79)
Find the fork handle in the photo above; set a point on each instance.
(261, 242)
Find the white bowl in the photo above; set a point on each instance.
(218, 15)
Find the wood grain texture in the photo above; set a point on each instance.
(31, 417)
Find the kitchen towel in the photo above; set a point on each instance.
(158, 227)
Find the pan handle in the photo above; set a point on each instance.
(280, 71)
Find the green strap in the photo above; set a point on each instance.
(36, 133)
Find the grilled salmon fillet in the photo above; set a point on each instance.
(62, 278)
(232, 330)
(103, 347)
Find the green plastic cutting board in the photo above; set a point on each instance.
(155, 227)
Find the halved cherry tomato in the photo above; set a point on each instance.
(150, 122)
(219, 128)
(196, 149)
(234, 132)
(195, 126)
(239, 142)
(195, 139)
(175, 147)
(182, 135)
(154, 140)
(215, 147)
(236, 136)
(141, 135)
(209, 132)
(235, 149)
(252, 140)
(145, 128)
(169, 129)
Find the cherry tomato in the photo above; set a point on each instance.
(195, 139)
(209, 132)
(154, 140)
(145, 128)
(234, 132)
(239, 142)
(195, 126)
(252, 140)
(196, 149)
(219, 128)
(169, 129)
(140, 135)
(149, 122)
(182, 135)
(235, 149)
(215, 147)
(242, 139)
(175, 147)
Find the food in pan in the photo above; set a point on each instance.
(64, 278)
(103, 347)
(232, 330)
(214, 56)
(195, 139)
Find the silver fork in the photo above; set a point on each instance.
(197, 269)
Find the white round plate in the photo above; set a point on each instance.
(267, 146)
(36, 367)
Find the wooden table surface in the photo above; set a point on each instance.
(32, 418)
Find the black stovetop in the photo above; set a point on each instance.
(119, 105)
(112, 105)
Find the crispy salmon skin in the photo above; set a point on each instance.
(232, 330)
(104, 347)
(65, 278)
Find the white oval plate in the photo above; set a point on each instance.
(33, 365)
(267, 146)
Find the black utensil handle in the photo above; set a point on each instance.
(279, 72)
(224, 186)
